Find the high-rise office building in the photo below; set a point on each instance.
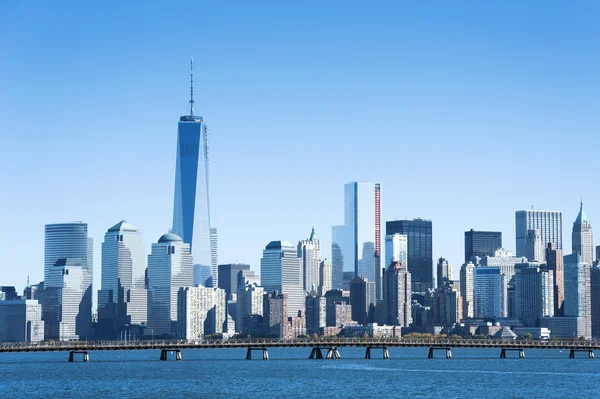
(202, 276)
(534, 295)
(325, 277)
(582, 238)
(200, 311)
(230, 277)
(67, 310)
(362, 299)
(396, 249)
(554, 261)
(595, 299)
(280, 271)
(191, 209)
(170, 268)
(535, 249)
(444, 272)
(123, 269)
(466, 290)
(214, 257)
(598, 254)
(316, 313)
(577, 294)
(21, 321)
(356, 244)
(488, 292)
(309, 251)
(275, 314)
(549, 223)
(397, 295)
(420, 251)
(447, 305)
(249, 303)
(67, 240)
(481, 243)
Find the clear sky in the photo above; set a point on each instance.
(464, 112)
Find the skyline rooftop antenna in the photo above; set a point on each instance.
(191, 86)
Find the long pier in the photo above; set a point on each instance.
(292, 343)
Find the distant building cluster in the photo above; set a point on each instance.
(179, 290)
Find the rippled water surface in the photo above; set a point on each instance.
(224, 373)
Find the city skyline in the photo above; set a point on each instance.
(239, 182)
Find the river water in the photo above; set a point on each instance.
(224, 373)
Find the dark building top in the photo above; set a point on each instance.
(481, 243)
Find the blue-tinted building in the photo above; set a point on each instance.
(191, 209)
(356, 245)
(488, 292)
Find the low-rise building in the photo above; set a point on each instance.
(21, 321)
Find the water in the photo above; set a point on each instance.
(224, 373)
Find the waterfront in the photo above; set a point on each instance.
(224, 373)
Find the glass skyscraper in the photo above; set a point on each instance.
(191, 209)
(420, 250)
(481, 243)
(67, 240)
(356, 245)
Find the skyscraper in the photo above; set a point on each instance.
(481, 243)
(67, 240)
(362, 299)
(396, 249)
(316, 313)
(549, 223)
(200, 311)
(67, 310)
(397, 295)
(123, 269)
(534, 296)
(535, 248)
(325, 283)
(577, 294)
(230, 277)
(443, 272)
(582, 238)
(466, 289)
(191, 209)
(487, 292)
(420, 251)
(309, 251)
(595, 299)
(280, 271)
(169, 268)
(554, 260)
(355, 245)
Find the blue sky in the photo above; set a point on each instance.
(463, 111)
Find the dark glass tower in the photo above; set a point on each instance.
(480, 243)
(420, 250)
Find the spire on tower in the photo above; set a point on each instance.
(191, 86)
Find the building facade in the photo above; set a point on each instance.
(397, 295)
(357, 244)
(67, 311)
(230, 277)
(549, 223)
(396, 249)
(21, 321)
(200, 311)
(325, 277)
(316, 313)
(309, 251)
(535, 248)
(420, 251)
(481, 243)
(281, 271)
(577, 293)
(554, 262)
(170, 268)
(534, 295)
(583, 238)
(595, 300)
(488, 292)
(466, 289)
(362, 299)
(191, 209)
(123, 269)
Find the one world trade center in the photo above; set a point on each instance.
(191, 209)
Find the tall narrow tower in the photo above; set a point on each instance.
(582, 238)
(191, 209)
